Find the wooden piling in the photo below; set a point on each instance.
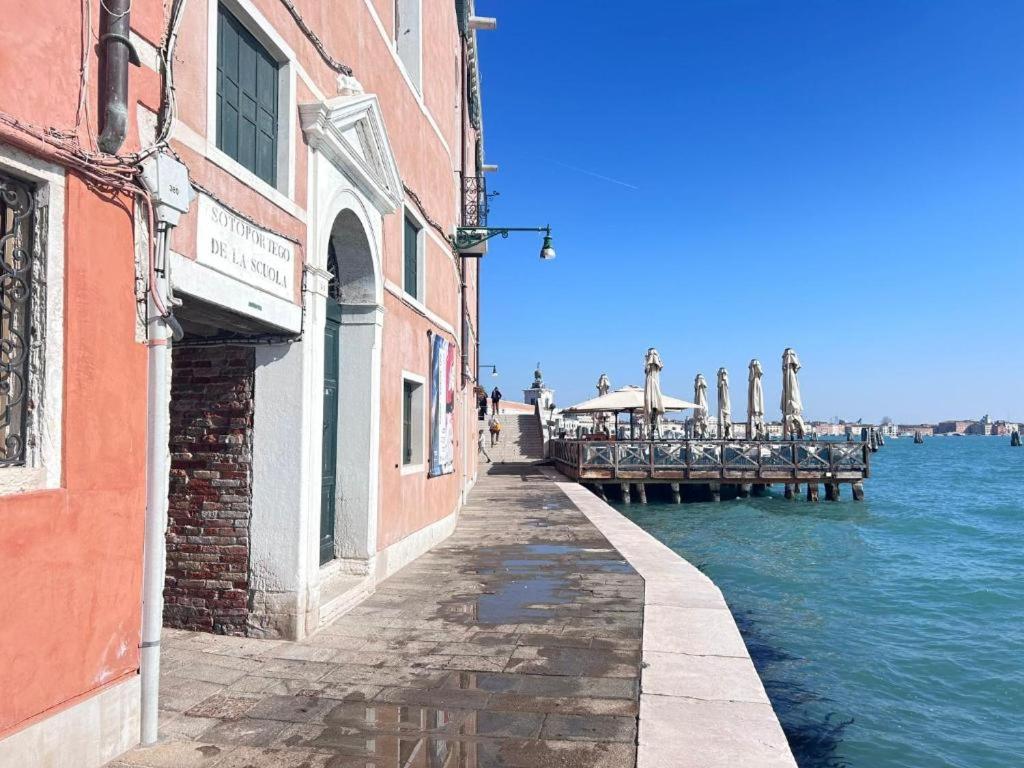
(759, 489)
(858, 491)
(812, 491)
(625, 492)
(791, 490)
(677, 495)
(744, 490)
(831, 491)
(642, 491)
(716, 491)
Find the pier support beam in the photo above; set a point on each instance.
(625, 492)
(677, 496)
(831, 491)
(716, 491)
(812, 491)
(858, 491)
(792, 489)
(744, 490)
(601, 492)
(641, 489)
(759, 489)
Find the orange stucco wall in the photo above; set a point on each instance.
(70, 558)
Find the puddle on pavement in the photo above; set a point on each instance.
(514, 601)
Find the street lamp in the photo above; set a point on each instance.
(467, 238)
(494, 370)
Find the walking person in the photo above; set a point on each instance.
(481, 404)
(495, 399)
(495, 427)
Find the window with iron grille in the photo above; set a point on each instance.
(411, 245)
(16, 248)
(247, 95)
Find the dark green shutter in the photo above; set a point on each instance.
(411, 258)
(247, 117)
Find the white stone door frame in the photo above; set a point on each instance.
(353, 183)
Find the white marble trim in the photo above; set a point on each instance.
(701, 700)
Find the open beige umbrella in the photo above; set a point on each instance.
(755, 402)
(629, 398)
(724, 406)
(792, 405)
(700, 415)
(654, 407)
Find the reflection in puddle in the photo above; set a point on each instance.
(397, 736)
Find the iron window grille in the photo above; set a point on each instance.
(17, 206)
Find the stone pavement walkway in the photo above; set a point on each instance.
(513, 644)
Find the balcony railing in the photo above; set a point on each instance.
(711, 459)
(474, 201)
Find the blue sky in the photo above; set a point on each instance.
(846, 178)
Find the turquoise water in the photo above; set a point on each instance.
(889, 633)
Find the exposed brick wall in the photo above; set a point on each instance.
(207, 584)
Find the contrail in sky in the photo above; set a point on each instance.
(597, 175)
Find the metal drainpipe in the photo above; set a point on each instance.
(157, 474)
(117, 52)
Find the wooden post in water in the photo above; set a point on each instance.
(625, 492)
(677, 497)
(858, 491)
(744, 490)
(601, 492)
(831, 491)
(792, 489)
(759, 489)
(716, 491)
(642, 491)
(812, 491)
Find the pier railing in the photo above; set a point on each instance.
(712, 460)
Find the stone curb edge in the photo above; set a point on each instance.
(702, 704)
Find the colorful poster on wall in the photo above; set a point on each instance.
(442, 407)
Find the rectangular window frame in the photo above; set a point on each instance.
(411, 217)
(282, 192)
(408, 38)
(413, 426)
(41, 469)
(266, 121)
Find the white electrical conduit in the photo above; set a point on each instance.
(157, 472)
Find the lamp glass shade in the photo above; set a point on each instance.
(547, 251)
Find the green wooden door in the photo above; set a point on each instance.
(329, 463)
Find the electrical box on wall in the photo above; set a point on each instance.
(166, 178)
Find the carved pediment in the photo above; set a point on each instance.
(349, 131)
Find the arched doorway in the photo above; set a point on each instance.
(352, 321)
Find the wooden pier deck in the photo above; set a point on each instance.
(749, 465)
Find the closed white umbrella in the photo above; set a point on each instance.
(654, 407)
(700, 416)
(792, 405)
(755, 402)
(724, 406)
(603, 385)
